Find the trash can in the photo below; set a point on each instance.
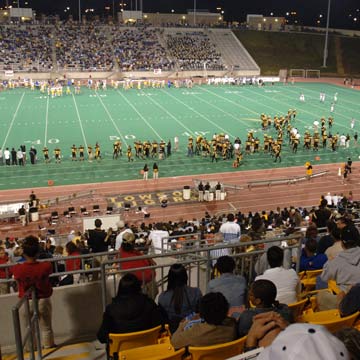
(34, 216)
(186, 192)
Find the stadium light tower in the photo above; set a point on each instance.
(79, 12)
(194, 12)
(327, 34)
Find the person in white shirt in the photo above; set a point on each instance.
(176, 143)
(286, 281)
(7, 156)
(119, 238)
(156, 236)
(335, 200)
(328, 198)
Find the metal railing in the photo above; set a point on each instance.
(32, 330)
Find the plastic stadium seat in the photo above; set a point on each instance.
(120, 342)
(218, 352)
(152, 352)
(109, 210)
(331, 319)
(96, 209)
(308, 279)
(298, 307)
(72, 210)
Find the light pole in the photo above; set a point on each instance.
(79, 12)
(326, 35)
(194, 12)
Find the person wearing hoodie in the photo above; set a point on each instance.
(344, 268)
(130, 310)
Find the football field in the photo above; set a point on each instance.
(34, 119)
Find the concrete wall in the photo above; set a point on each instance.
(77, 314)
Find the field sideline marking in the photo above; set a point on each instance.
(80, 122)
(13, 119)
(196, 112)
(170, 114)
(141, 116)
(111, 118)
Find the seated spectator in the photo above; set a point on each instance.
(262, 295)
(305, 341)
(147, 276)
(332, 251)
(344, 268)
(309, 259)
(130, 310)
(286, 280)
(328, 239)
(210, 327)
(179, 300)
(349, 302)
(232, 286)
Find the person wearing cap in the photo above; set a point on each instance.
(122, 228)
(147, 276)
(304, 341)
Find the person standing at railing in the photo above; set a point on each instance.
(32, 273)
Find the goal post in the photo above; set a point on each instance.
(297, 73)
(312, 73)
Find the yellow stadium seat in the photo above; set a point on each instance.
(297, 308)
(119, 342)
(152, 352)
(331, 319)
(218, 352)
(333, 287)
(308, 279)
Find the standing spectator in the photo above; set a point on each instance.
(32, 154)
(122, 228)
(98, 238)
(230, 230)
(147, 276)
(13, 157)
(155, 171)
(1, 157)
(32, 273)
(145, 172)
(179, 300)
(176, 142)
(321, 215)
(20, 157)
(7, 156)
(22, 215)
(168, 149)
(201, 191)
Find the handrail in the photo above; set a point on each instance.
(292, 180)
(32, 323)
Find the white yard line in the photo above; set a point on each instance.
(112, 120)
(13, 119)
(46, 120)
(140, 115)
(199, 114)
(80, 122)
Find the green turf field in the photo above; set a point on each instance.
(153, 114)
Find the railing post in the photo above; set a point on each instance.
(103, 285)
(17, 330)
(35, 304)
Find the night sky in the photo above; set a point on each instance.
(343, 12)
